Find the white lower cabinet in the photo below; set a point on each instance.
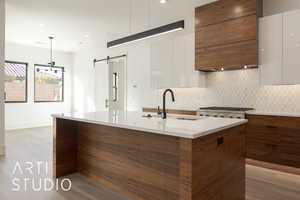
(279, 49)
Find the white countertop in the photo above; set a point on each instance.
(170, 126)
(282, 114)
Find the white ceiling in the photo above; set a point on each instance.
(32, 21)
(73, 23)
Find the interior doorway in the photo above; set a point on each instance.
(111, 85)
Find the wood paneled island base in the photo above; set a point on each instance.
(149, 166)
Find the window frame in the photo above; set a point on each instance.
(63, 84)
(26, 85)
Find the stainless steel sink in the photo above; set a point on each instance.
(151, 116)
(187, 119)
(178, 117)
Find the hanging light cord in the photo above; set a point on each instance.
(51, 52)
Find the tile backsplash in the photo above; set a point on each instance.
(237, 88)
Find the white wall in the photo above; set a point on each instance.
(272, 7)
(30, 114)
(2, 39)
(83, 95)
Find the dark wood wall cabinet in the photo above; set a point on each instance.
(227, 34)
(274, 139)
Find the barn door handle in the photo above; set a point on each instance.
(115, 87)
(106, 103)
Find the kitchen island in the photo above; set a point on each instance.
(180, 158)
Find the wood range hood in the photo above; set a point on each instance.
(226, 35)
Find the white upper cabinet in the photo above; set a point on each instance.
(270, 49)
(291, 47)
(172, 63)
(178, 77)
(279, 49)
(161, 63)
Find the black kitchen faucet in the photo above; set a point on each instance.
(164, 114)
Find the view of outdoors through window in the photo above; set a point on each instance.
(48, 83)
(15, 82)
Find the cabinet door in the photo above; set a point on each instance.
(233, 149)
(183, 72)
(289, 148)
(194, 78)
(291, 49)
(172, 63)
(207, 153)
(259, 146)
(222, 157)
(178, 77)
(270, 49)
(161, 61)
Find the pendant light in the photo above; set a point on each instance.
(176, 26)
(172, 27)
(52, 63)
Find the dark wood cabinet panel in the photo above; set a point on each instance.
(228, 159)
(274, 139)
(226, 34)
(263, 133)
(223, 10)
(262, 151)
(234, 182)
(274, 121)
(126, 159)
(227, 56)
(289, 147)
(234, 149)
(207, 153)
(65, 142)
(241, 29)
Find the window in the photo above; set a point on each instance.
(48, 84)
(15, 82)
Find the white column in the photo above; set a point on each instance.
(2, 43)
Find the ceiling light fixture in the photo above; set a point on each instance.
(163, 1)
(176, 26)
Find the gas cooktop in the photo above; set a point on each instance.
(215, 108)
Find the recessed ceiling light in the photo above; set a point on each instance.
(42, 25)
(163, 1)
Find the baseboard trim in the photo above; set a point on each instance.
(272, 166)
(25, 126)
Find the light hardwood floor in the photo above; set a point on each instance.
(36, 145)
